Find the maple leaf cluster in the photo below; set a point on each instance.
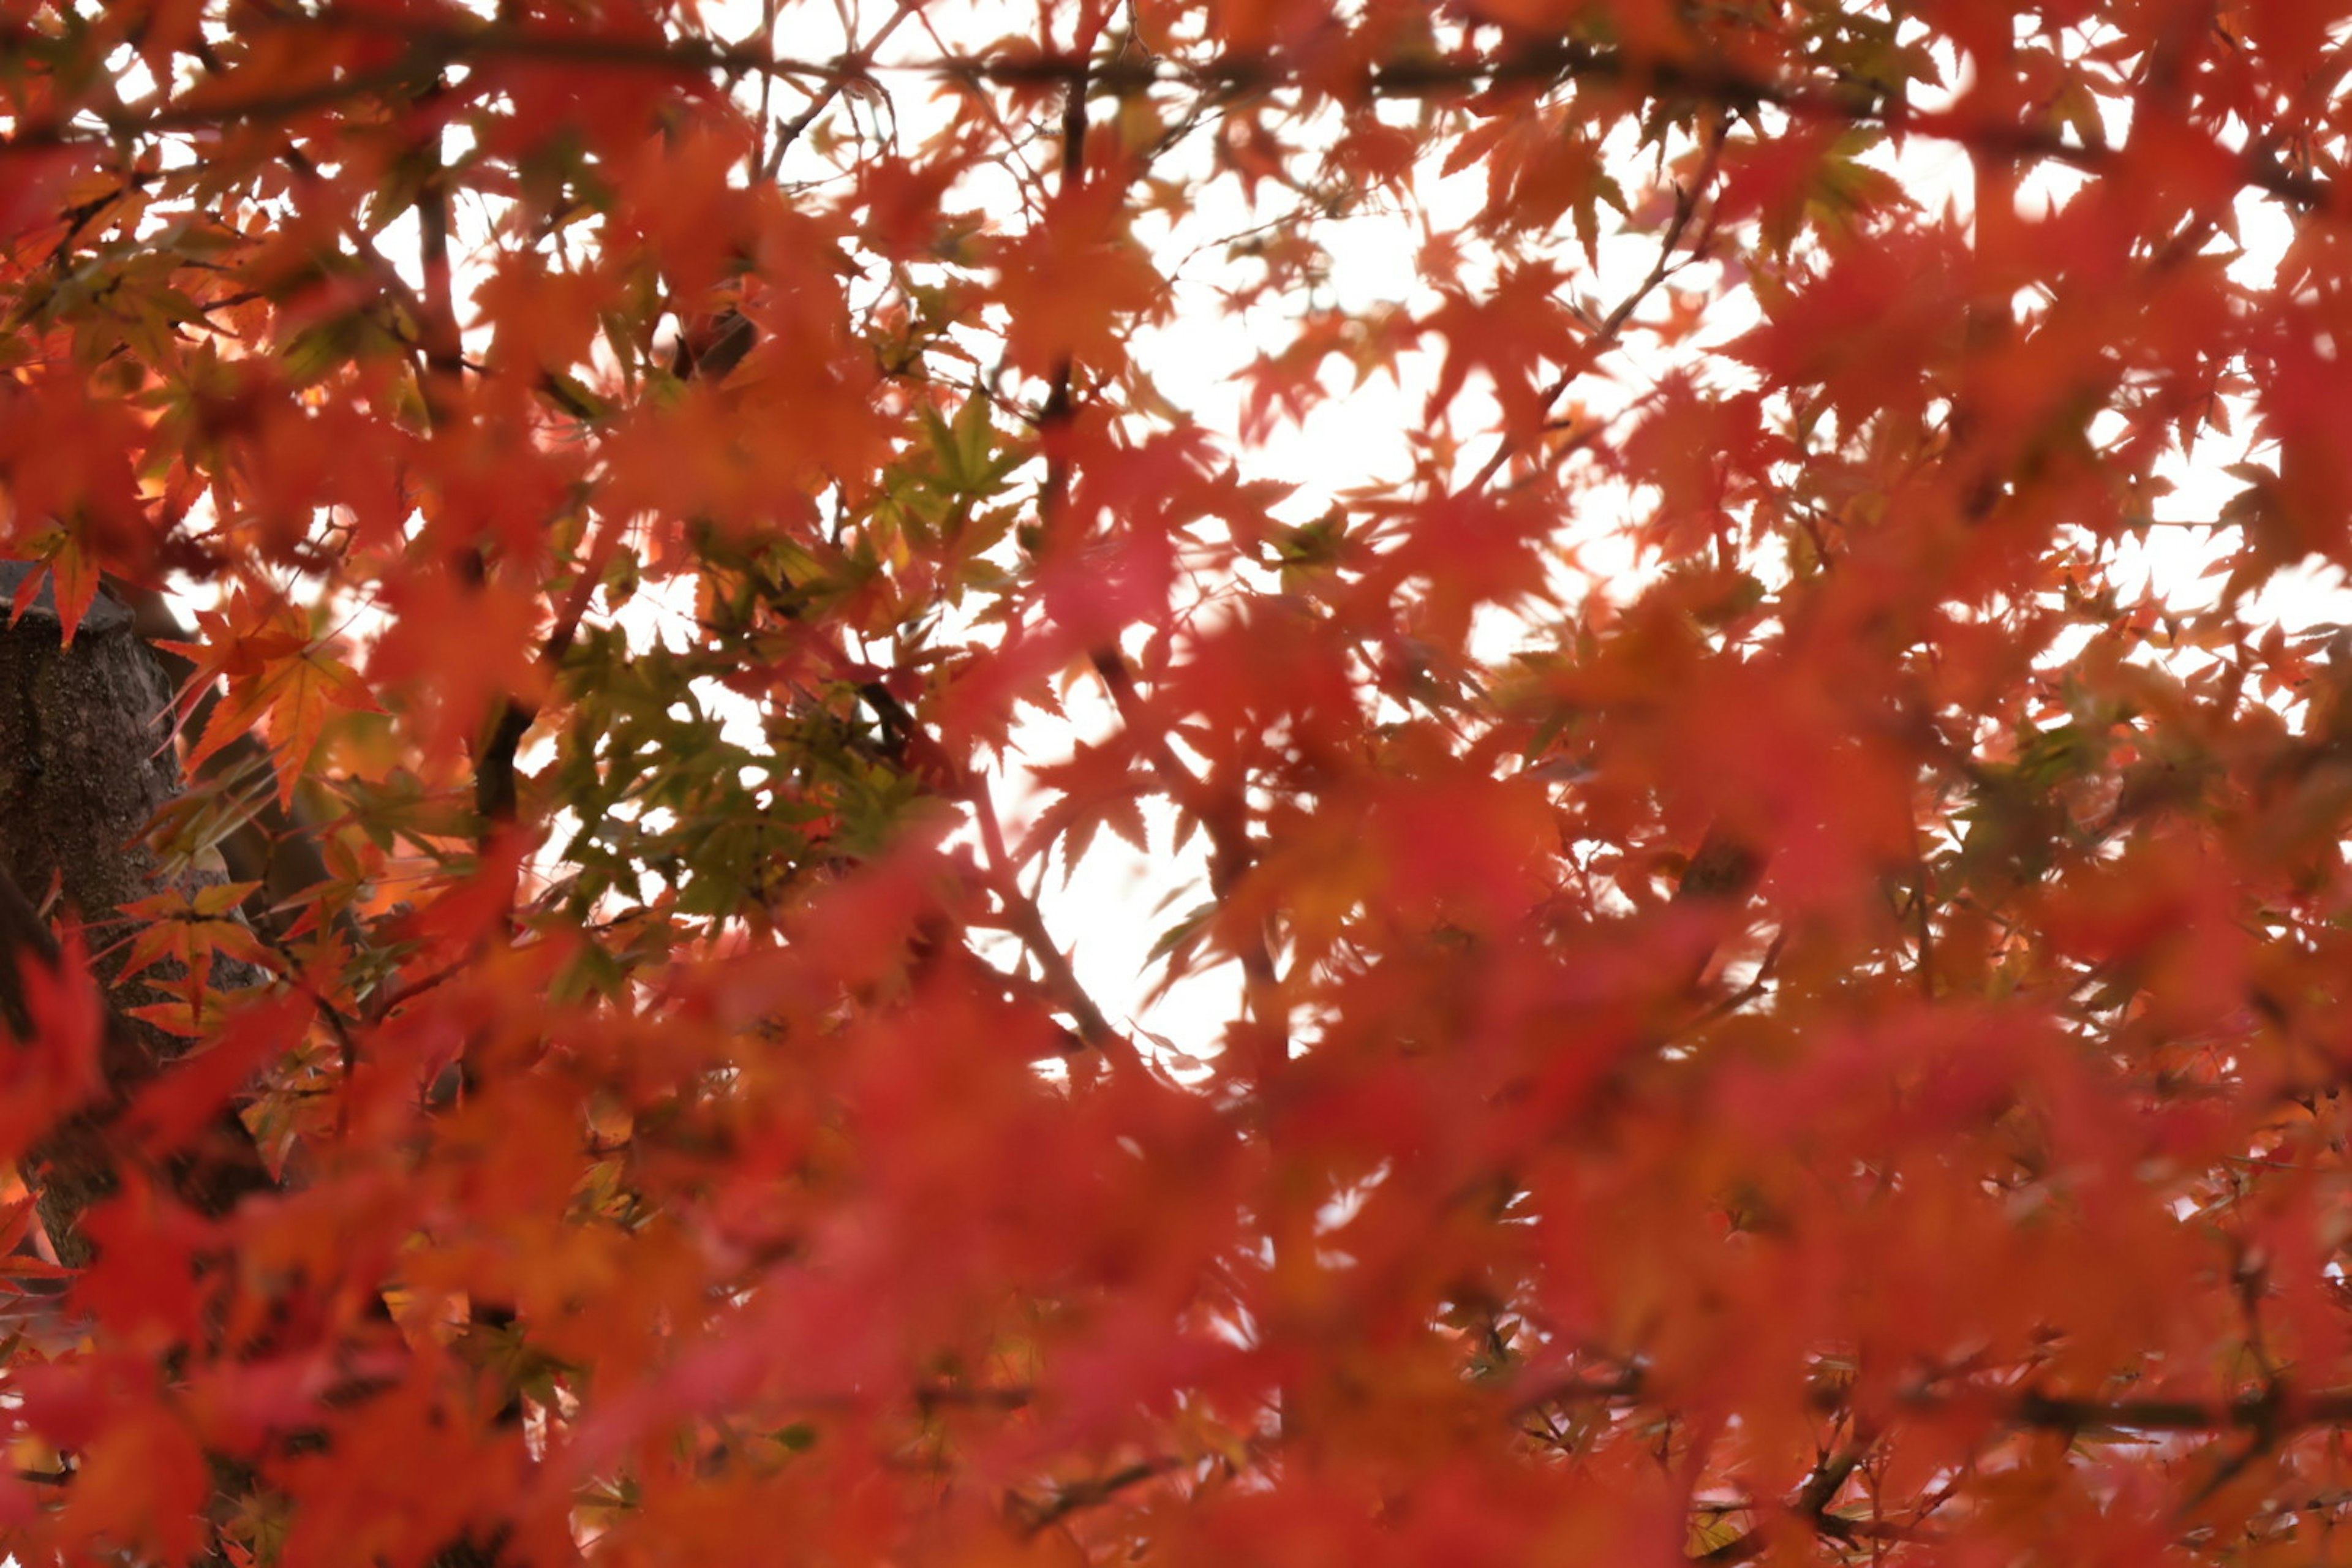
(1756, 955)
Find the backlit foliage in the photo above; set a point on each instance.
(1758, 965)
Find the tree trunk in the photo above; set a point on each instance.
(86, 761)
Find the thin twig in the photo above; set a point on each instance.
(1036, 1516)
(1028, 923)
(856, 65)
(1606, 332)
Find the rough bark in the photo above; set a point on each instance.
(86, 761)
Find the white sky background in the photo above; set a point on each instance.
(1115, 901)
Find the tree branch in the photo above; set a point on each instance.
(2280, 1409)
(1037, 1516)
(1028, 923)
(435, 47)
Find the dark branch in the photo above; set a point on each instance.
(2280, 1409)
(435, 47)
(1037, 1516)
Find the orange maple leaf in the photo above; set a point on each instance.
(275, 674)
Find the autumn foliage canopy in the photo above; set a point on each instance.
(1703, 625)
